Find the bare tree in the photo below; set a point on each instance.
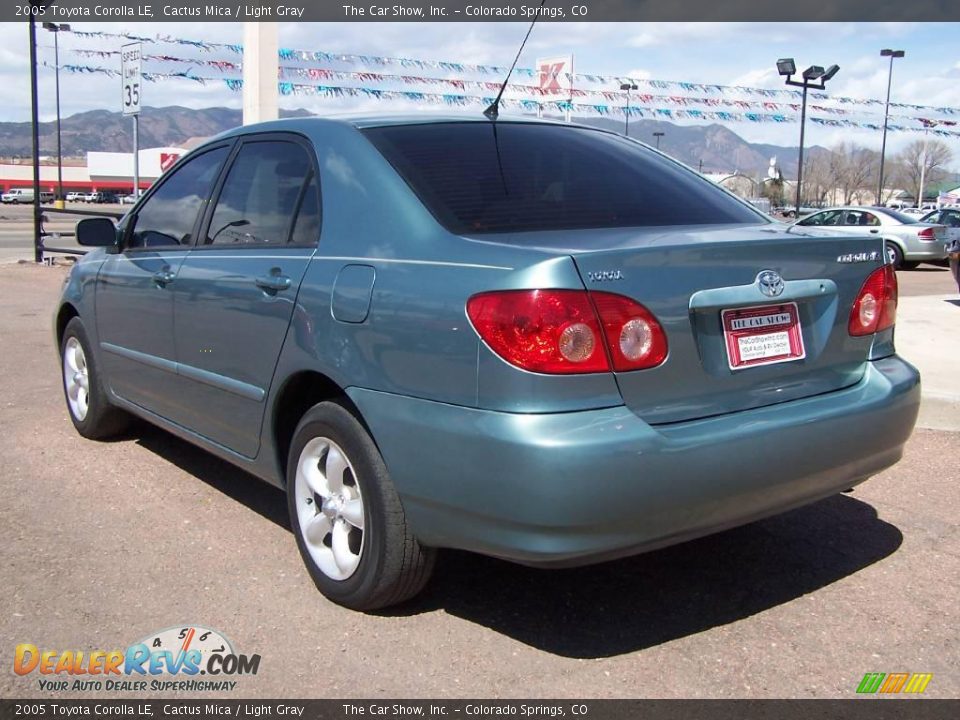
(852, 169)
(817, 181)
(921, 163)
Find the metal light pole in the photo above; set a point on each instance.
(787, 67)
(886, 52)
(658, 135)
(626, 112)
(56, 29)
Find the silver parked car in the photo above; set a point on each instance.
(907, 240)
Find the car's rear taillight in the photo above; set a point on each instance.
(927, 234)
(875, 308)
(547, 331)
(634, 337)
(563, 332)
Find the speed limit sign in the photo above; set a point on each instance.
(132, 80)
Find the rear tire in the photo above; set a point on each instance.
(346, 515)
(87, 402)
(894, 255)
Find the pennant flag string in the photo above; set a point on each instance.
(574, 78)
(643, 99)
(524, 104)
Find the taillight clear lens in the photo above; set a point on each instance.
(547, 331)
(875, 308)
(634, 337)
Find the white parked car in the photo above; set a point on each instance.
(75, 196)
(17, 196)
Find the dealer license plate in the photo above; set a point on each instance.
(762, 335)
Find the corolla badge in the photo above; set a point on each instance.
(770, 283)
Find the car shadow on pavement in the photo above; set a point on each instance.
(632, 604)
(261, 497)
(621, 606)
(953, 302)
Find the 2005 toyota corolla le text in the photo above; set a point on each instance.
(537, 341)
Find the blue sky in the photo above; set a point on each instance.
(715, 53)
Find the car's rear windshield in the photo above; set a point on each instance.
(901, 217)
(512, 177)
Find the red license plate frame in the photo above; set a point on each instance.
(762, 335)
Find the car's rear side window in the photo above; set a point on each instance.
(260, 195)
(509, 177)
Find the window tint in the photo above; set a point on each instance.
(950, 218)
(861, 218)
(260, 195)
(306, 229)
(901, 217)
(504, 177)
(830, 217)
(168, 215)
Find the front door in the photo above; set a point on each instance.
(134, 293)
(236, 290)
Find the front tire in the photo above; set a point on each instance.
(346, 515)
(87, 403)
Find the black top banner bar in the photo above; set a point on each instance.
(477, 10)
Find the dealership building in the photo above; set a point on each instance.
(102, 171)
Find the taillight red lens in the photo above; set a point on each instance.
(927, 234)
(547, 331)
(875, 308)
(562, 331)
(634, 337)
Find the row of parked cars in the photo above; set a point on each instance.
(100, 198)
(908, 240)
(24, 196)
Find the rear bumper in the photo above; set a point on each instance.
(580, 487)
(925, 252)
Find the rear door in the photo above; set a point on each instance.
(236, 289)
(134, 295)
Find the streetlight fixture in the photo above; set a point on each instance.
(56, 30)
(658, 135)
(786, 67)
(892, 54)
(626, 113)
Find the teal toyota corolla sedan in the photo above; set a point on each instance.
(537, 341)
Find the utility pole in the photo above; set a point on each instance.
(261, 67)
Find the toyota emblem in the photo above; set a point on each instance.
(770, 283)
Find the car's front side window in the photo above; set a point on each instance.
(167, 217)
(260, 195)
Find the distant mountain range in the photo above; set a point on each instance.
(717, 147)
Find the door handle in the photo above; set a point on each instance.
(272, 282)
(875, 231)
(163, 277)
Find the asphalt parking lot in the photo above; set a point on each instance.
(105, 543)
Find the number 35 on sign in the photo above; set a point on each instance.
(130, 59)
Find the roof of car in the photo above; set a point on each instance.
(380, 120)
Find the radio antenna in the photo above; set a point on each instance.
(494, 110)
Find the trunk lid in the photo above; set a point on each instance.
(689, 276)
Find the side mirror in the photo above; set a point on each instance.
(96, 232)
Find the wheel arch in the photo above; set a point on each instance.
(65, 314)
(300, 392)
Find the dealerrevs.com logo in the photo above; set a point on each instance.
(189, 658)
